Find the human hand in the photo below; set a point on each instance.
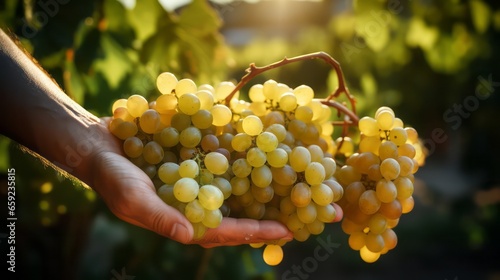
(130, 195)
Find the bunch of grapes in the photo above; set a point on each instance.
(212, 155)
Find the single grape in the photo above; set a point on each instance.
(216, 163)
(210, 197)
(133, 147)
(186, 189)
(273, 254)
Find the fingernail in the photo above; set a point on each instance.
(180, 233)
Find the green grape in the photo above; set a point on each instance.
(307, 214)
(199, 230)
(190, 137)
(277, 157)
(150, 121)
(240, 185)
(350, 227)
(180, 121)
(122, 113)
(407, 205)
(326, 214)
(368, 256)
(398, 136)
(119, 103)
(137, 105)
(267, 142)
(365, 160)
(374, 242)
(150, 170)
(316, 227)
(316, 153)
(184, 86)
(241, 168)
(169, 173)
(210, 197)
(186, 189)
(304, 94)
(255, 210)
(133, 147)
(287, 101)
(369, 144)
(286, 206)
(263, 195)
(311, 135)
(223, 90)
(224, 186)
(258, 108)
(122, 129)
(284, 175)
(241, 142)
(389, 168)
(273, 254)
(407, 150)
(353, 191)
(347, 148)
(212, 219)
(189, 104)
(398, 123)
(390, 239)
(301, 194)
(368, 202)
(411, 134)
(357, 240)
(166, 193)
(297, 128)
(245, 199)
(202, 119)
(252, 125)
(385, 120)
(194, 211)
(387, 149)
(225, 140)
(153, 152)
(166, 82)
(405, 166)
(261, 176)
(256, 157)
(256, 93)
(294, 223)
(391, 210)
(166, 103)
(404, 187)
(189, 168)
(300, 157)
(337, 190)
(206, 99)
(216, 163)
(347, 174)
(386, 191)
(374, 172)
(304, 114)
(377, 223)
(329, 165)
(278, 130)
(221, 115)
(270, 90)
(206, 177)
(327, 129)
(302, 234)
(368, 126)
(321, 194)
(314, 173)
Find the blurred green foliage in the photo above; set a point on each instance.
(419, 57)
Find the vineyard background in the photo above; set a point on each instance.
(434, 62)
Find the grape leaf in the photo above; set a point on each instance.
(199, 19)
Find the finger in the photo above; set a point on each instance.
(233, 232)
(339, 213)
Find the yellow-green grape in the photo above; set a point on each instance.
(311, 135)
(412, 134)
(239, 186)
(405, 166)
(261, 176)
(256, 93)
(404, 187)
(350, 227)
(262, 195)
(398, 123)
(390, 239)
(166, 193)
(407, 150)
(326, 214)
(329, 165)
(119, 103)
(321, 194)
(284, 175)
(180, 121)
(212, 218)
(256, 157)
(273, 254)
(223, 90)
(278, 130)
(299, 158)
(387, 149)
(255, 210)
(287, 206)
(391, 210)
(315, 105)
(316, 227)
(368, 126)
(377, 223)
(122, 129)
(316, 153)
(368, 256)
(392, 223)
(166, 103)
(337, 190)
(407, 205)
(385, 120)
(302, 234)
(314, 173)
(353, 191)
(294, 223)
(150, 170)
(206, 177)
(258, 108)
(297, 128)
(153, 152)
(383, 108)
(301, 194)
(374, 242)
(223, 185)
(122, 113)
(357, 240)
(166, 82)
(307, 214)
(216, 163)
(327, 129)
(252, 125)
(210, 197)
(189, 168)
(202, 119)
(222, 115)
(186, 189)
(190, 137)
(184, 86)
(374, 172)
(304, 114)
(189, 104)
(137, 105)
(150, 121)
(169, 137)
(133, 147)
(206, 99)
(194, 211)
(398, 136)
(347, 174)
(304, 94)
(199, 230)
(266, 141)
(369, 144)
(241, 168)
(270, 90)
(277, 158)
(389, 168)
(347, 148)
(245, 199)
(169, 173)
(256, 245)
(241, 142)
(368, 202)
(386, 191)
(287, 101)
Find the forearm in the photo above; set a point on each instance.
(38, 115)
